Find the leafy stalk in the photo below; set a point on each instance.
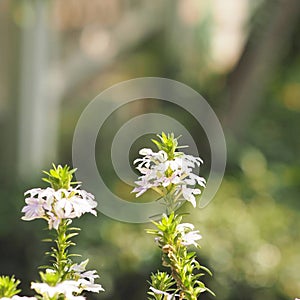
(8, 286)
(185, 269)
(61, 258)
(169, 173)
(60, 178)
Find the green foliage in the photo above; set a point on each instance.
(251, 243)
(63, 277)
(168, 143)
(8, 286)
(182, 263)
(60, 177)
(51, 278)
(252, 224)
(161, 281)
(61, 257)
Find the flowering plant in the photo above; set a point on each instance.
(170, 173)
(58, 205)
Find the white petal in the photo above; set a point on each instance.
(145, 151)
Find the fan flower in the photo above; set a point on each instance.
(86, 278)
(188, 235)
(160, 172)
(55, 205)
(159, 292)
(68, 288)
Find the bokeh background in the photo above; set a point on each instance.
(243, 56)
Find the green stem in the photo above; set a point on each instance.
(170, 203)
(175, 256)
(61, 246)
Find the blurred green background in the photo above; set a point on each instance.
(243, 56)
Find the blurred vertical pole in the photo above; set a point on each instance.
(9, 34)
(37, 115)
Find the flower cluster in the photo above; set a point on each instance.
(162, 286)
(70, 289)
(9, 289)
(173, 237)
(54, 206)
(183, 233)
(168, 172)
(58, 205)
(166, 295)
(86, 279)
(70, 285)
(188, 236)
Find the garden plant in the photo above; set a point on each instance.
(171, 174)
(58, 204)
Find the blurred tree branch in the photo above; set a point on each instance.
(263, 52)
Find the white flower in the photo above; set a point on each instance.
(53, 220)
(71, 287)
(33, 192)
(82, 205)
(87, 278)
(188, 193)
(159, 172)
(68, 288)
(90, 286)
(159, 292)
(34, 209)
(57, 205)
(183, 227)
(79, 268)
(188, 236)
(90, 275)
